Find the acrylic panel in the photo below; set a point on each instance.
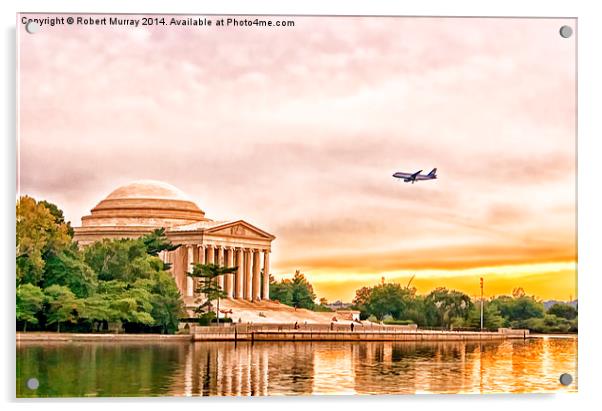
(295, 205)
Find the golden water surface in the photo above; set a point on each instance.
(295, 368)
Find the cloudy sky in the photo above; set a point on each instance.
(298, 130)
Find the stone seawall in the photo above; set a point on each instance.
(381, 333)
(73, 337)
(264, 333)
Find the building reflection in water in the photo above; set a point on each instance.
(302, 368)
(296, 368)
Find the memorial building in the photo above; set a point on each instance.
(138, 208)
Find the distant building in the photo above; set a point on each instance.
(338, 305)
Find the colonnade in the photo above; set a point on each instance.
(247, 283)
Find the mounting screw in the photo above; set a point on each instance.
(566, 379)
(33, 383)
(32, 27)
(566, 31)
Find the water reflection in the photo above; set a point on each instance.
(287, 368)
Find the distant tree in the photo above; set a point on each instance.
(302, 291)
(38, 235)
(323, 301)
(517, 310)
(518, 292)
(62, 305)
(30, 300)
(388, 299)
(361, 299)
(492, 318)
(563, 311)
(525, 308)
(296, 292)
(415, 311)
(444, 305)
(549, 323)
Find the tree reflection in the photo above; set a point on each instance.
(293, 368)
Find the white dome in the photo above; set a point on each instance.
(148, 189)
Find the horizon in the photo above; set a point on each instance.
(302, 141)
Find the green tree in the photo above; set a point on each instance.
(59, 217)
(30, 300)
(519, 309)
(68, 268)
(360, 300)
(167, 306)
(110, 280)
(134, 305)
(415, 311)
(38, 235)
(157, 241)
(136, 281)
(96, 309)
(281, 291)
(296, 292)
(563, 311)
(445, 305)
(492, 318)
(388, 299)
(123, 259)
(208, 285)
(302, 292)
(549, 323)
(62, 305)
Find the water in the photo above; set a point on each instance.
(289, 368)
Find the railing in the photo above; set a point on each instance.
(287, 327)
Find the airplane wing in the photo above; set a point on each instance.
(416, 174)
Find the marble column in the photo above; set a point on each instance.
(265, 293)
(229, 280)
(220, 261)
(256, 277)
(247, 258)
(210, 254)
(189, 265)
(239, 274)
(200, 259)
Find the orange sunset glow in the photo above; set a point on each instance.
(299, 130)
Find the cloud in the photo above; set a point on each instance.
(299, 130)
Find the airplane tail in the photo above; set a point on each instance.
(433, 173)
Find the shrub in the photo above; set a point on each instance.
(398, 322)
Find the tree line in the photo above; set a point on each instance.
(124, 282)
(62, 287)
(451, 309)
(296, 292)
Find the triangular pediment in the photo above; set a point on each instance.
(241, 229)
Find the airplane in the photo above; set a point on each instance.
(409, 177)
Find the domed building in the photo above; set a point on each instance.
(140, 207)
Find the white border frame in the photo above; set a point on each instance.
(589, 194)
